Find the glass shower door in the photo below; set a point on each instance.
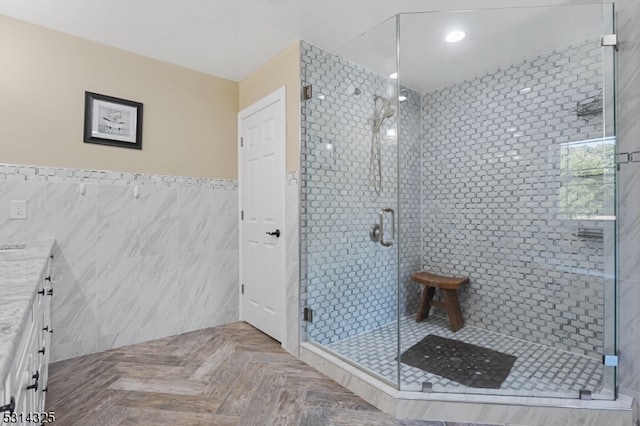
(511, 183)
(492, 158)
(349, 201)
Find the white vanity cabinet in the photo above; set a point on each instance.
(45, 330)
(23, 384)
(27, 372)
(2, 400)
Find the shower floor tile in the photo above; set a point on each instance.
(539, 370)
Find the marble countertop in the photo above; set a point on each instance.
(21, 272)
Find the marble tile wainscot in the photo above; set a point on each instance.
(137, 256)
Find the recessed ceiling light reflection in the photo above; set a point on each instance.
(455, 36)
(402, 98)
(393, 76)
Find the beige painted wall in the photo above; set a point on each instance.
(282, 70)
(189, 117)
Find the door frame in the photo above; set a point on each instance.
(278, 95)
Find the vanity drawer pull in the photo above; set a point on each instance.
(35, 385)
(10, 407)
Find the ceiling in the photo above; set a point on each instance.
(232, 38)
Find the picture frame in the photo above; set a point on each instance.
(112, 121)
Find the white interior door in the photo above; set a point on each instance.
(262, 205)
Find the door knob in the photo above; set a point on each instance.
(276, 233)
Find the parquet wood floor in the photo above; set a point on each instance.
(227, 375)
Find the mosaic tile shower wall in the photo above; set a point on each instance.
(350, 281)
(491, 185)
(480, 184)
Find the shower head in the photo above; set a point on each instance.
(353, 90)
(387, 110)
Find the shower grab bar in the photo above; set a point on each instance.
(393, 226)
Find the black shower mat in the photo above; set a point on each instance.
(471, 365)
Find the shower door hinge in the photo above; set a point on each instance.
(609, 40)
(624, 158)
(241, 214)
(585, 394)
(241, 288)
(241, 142)
(610, 360)
(307, 92)
(628, 157)
(308, 315)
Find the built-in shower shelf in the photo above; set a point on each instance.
(591, 233)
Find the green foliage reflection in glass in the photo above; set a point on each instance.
(587, 170)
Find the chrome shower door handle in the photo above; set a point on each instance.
(381, 216)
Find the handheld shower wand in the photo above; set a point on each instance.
(380, 113)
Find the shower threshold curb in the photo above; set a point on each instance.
(470, 408)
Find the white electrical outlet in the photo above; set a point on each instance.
(18, 209)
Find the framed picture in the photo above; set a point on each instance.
(112, 121)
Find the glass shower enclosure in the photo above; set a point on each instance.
(491, 158)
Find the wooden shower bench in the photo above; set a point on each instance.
(449, 289)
